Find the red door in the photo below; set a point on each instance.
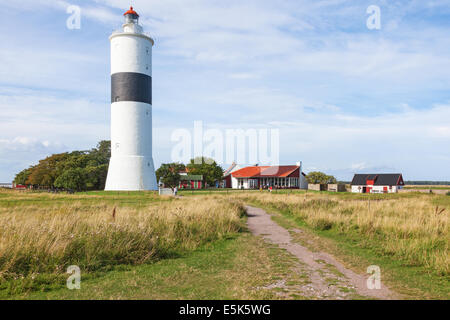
(385, 189)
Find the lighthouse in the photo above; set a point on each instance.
(131, 166)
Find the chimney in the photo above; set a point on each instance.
(300, 164)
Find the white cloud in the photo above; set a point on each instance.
(408, 142)
(28, 144)
(342, 145)
(20, 152)
(441, 132)
(36, 124)
(358, 166)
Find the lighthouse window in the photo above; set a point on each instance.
(146, 66)
(146, 49)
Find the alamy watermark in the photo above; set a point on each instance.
(374, 20)
(74, 281)
(73, 22)
(248, 145)
(374, 281)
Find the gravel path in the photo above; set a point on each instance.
(328, 278)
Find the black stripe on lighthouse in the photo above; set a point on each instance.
(131, 86)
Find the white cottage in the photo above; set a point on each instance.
(377, 183)
(279, 177)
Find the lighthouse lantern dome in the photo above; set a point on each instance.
(131, 16)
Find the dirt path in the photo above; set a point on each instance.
(328, 278)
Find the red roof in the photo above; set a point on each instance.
(131, 11)
(264, 171)
(248, 172)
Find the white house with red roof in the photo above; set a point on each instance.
(278, 177)
(227, 178)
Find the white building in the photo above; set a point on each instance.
(131, 166)
(278, 177)
(377, 183)
(228, 180)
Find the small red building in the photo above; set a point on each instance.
(190, 181)
(18, 186)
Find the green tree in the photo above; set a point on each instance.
(102, 153)
(95, 177)
(93, 165)
(73, 179)
(102, 173)
(169, 174)
(206, 167)
(317, 177)
(48, 169)
(22, 176)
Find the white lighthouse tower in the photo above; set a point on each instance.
(131, 166)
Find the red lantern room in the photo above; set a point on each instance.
(131, 16)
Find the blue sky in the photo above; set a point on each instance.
(345, 98)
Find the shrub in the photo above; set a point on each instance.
(322, 224)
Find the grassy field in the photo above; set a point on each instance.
(406, 234)
(414, 229)
(41, 234)
(240, 267)
(140, 245)
(151, 248)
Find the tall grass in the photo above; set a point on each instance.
(414, 230)
(39, 238)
